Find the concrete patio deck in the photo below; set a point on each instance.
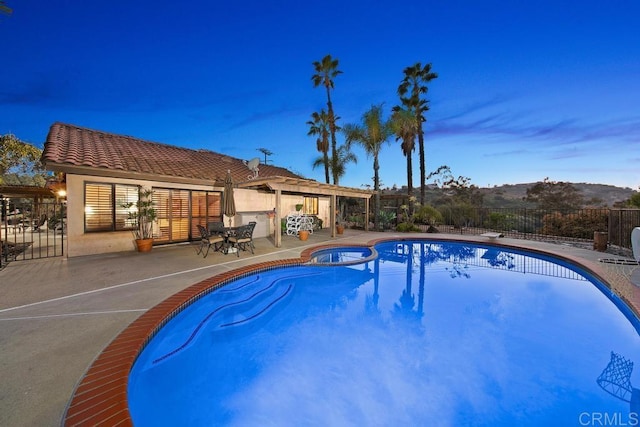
(58, 314)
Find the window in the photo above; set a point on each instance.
(103, 206)
(310, 205)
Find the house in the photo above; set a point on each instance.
(102, 171)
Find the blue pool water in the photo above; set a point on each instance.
(427, 333)
(343, 255)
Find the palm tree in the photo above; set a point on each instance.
(344, 156)
(319, 126)
(4, 8)
(371, 134)
(405, 126)
(411, 90)
(326, 71)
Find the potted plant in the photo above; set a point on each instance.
(299, 207)
(142, 214)
(303, 234)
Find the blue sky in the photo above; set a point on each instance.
(526, 89)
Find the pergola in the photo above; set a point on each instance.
(285, 185)
(38, 194)
(26, 191)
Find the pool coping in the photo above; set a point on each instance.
(100, 397)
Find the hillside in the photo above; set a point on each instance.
(512, 195)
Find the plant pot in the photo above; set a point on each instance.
(303, 234)
(144, 245)
(600, 240)
(339, 229)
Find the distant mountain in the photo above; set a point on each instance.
(512, 195)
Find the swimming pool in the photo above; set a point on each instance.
(426, 333)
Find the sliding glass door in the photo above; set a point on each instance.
(180, 211)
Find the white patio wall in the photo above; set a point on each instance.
(81, 243)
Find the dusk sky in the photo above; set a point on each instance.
(526, 89)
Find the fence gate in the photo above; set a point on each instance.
(31, 228)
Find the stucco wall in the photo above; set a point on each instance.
(81, 243)
(253, 201)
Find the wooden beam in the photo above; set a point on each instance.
(332, 215)
(278, 225)
(366, 215)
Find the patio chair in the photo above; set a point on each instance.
(41, 224)
(208, 240)
(242, 238)
(216, 228)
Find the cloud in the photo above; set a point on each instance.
(478, 106)
(508, 153)
(265, 115)
(41, 89)
(496, 117)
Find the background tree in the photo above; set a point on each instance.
(412, 90)
(460, 201)
(634, 200)
(319, 126)
(18, 158)
(554, 195)
(371, 134)
(464, 191)
(326, 71)
(405, 126)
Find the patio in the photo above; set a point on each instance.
(58, 314)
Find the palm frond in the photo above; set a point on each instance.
(5, 9)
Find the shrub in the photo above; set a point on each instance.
(406, 227)
(579, 224)
(427, 215)
(386, 218)
(459, 214)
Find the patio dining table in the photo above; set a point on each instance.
(226, 233)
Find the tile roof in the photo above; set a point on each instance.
(69, 145)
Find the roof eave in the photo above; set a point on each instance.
(122, 174)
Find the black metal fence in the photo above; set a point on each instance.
(541, 224)
(524, 223)
(31, 229)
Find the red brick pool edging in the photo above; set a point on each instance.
(100, 398)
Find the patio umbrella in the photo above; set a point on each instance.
(227, 199)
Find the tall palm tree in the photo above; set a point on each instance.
(371, 134)
(319, 126)
(405, 126)
(411, 91)
(326, 71)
